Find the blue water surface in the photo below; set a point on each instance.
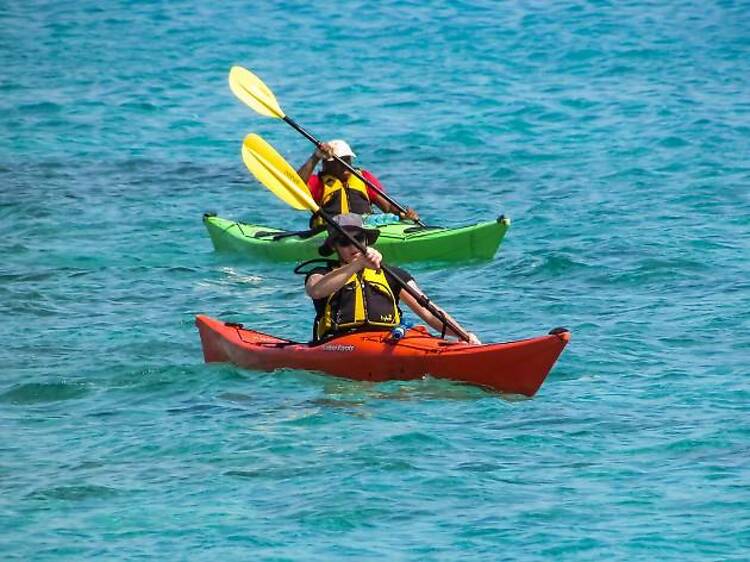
(615, 134)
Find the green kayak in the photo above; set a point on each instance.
(399, 242)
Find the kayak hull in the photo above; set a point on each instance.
(518, 367)
(399, 243)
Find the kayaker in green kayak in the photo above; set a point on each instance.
(338, 191)
(353, 292)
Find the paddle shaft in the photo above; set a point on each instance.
(348, 166)
(420, 297)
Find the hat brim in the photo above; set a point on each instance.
(326, 248)
(350, 155)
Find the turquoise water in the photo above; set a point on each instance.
(616, 136)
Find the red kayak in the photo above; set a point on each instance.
(517, 367)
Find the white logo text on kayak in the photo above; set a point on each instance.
(338, 347)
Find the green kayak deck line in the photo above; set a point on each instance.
(399, 243)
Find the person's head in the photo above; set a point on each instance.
(333, 167)
(336, 242)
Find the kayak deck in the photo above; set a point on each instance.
(398, 242)
(517, 367)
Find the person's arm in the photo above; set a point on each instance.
(386, 207)
(307, 169)
(321, 286)
(429, 317)
(382, 203)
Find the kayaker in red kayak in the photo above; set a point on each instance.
(354, 293)
(337, 191)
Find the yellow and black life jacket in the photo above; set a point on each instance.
(366, 300)
(339, 199)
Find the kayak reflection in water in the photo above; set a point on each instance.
(338, 191)
(354, 293)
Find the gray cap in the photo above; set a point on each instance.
(350, 222)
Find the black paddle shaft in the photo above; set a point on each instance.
(420, 297)
(317, 143)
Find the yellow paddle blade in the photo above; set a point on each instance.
(253, 92)
(270, 169)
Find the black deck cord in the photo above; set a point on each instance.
(241, 326)
(411, 229)
(303, 234)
